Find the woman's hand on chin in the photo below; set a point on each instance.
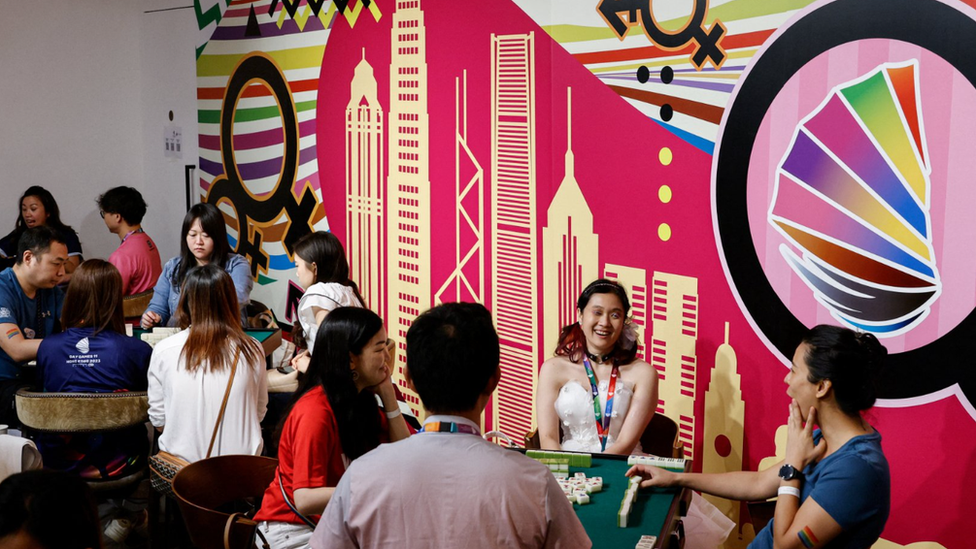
(800, 450)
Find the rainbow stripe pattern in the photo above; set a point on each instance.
(807, 538)
(852, 198)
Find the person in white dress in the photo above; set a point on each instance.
(595, 392)
(323, 273)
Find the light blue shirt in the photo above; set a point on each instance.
(166, 296)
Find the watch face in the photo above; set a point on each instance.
(787, 472)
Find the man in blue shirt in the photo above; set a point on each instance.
(30, 307)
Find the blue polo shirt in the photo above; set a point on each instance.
(35, 317)
(853, 485)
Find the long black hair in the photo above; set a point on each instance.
(50, 208)
(212, 223)
(324, 250)
(852, 361)
(345, 331)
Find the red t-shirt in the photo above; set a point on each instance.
(309, 455)
(137, 259)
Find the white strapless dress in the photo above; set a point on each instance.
(574, 406)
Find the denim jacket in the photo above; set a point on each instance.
(166, 297)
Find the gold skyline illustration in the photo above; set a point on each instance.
(674, 315)
(634, 280)
(723, 429)
(365, 240)
(467, 256)
(514, 279)
(570, 248)
(408, 184)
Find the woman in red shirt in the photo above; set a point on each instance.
(333, 420)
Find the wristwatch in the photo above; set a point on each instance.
(788, 472)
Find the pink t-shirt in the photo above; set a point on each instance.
(137, 258)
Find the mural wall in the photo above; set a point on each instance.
(745, 168)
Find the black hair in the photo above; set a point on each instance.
(452, 353)
(212, 223)
(345, 331)
(50, 208)
(124, 201)
(572, 341)
(852, 361)
(56, 509)
(38, 240)
(324, 250)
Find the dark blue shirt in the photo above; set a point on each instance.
(853, 485)
(17, 308)
(75, 361)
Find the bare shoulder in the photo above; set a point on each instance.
(557, 369)
(641, 372)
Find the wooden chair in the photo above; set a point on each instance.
(134, 305)
(85, 413)
(211, 492)
(659, 438)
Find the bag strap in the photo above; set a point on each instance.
(223, 405)
(281, 485)
(235, 518)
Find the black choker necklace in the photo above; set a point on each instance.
(598, 359)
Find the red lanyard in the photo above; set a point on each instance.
(602, 422)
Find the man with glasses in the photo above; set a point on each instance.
(137, 258)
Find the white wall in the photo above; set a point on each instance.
(168, 58)
(85, 94)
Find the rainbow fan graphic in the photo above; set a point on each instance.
(852, 196)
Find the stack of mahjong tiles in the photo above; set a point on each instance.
(569, 459)
(157, 335)
(664, 463)
(578, 488)
(627, 503)
(646, 542)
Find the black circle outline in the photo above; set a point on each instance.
(937, 27)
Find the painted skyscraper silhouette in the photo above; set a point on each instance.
(408, 183)
(514, 280)
(365, 241)
(633, 280)
(570, 249)
(674, 315)
(723, 430)
(467, 280)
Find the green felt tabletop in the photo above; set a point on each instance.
(599, 517)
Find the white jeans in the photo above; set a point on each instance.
(285, 535)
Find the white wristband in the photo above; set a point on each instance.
(395, 413)
(788, 490)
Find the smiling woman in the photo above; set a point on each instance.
(595, 386)
(39, 209)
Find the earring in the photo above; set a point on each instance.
(355, 375)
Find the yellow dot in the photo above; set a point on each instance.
(665, 156)
(664, 232)
(664, 194)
